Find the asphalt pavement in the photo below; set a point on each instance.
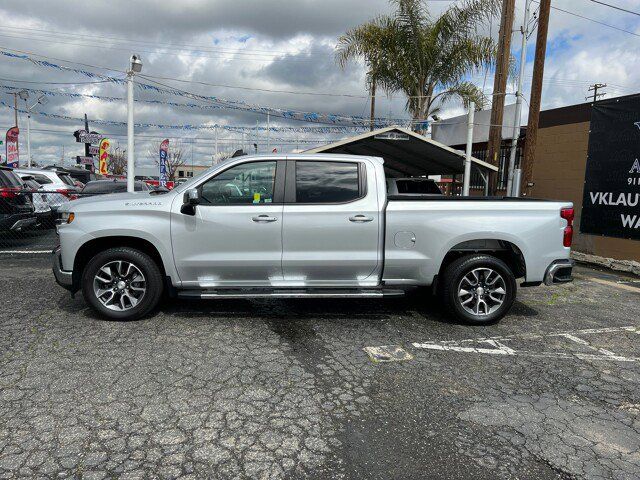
(345, 389)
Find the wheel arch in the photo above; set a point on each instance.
(504, 249)
(89, 249)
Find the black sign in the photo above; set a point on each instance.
(82, 136)
(611, 200)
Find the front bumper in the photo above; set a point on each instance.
(559, 272)
(63, 277)
(17, 222)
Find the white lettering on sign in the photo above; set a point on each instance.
(607, 198)
(629, 221)
(635, 168)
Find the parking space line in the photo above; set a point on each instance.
(583, 342)
(495, 345)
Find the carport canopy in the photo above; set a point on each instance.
(406, 153)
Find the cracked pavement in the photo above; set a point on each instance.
(284, 389)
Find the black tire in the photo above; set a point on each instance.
(452, 282)
(144, 263)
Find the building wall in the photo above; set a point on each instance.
(558, 173)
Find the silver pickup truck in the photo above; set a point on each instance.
(308, 226)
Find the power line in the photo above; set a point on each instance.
(52, 83)
(204, 48)
(616, 7)
(594, 21)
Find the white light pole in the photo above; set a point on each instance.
(135, 67)
(467, 159)
(513, 185)
(24, 95)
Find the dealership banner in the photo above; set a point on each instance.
(611, 199)
(164, 147)
(11, 142)
(103, 155)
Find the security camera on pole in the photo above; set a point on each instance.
(135, 67)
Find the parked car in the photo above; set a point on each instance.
(79, 175)
(98, 187)
(60, 185)
(16, 208)
(308, 226)
(41, 202)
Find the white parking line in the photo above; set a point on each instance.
(494, 345)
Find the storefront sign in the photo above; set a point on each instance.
(103, 155)
(82, 136)
(84, 160)
(164, 147)
(611, 199)
(13, 157)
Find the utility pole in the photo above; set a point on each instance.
(373, 102)
(268, 136)
(499, 90)
(536, 95)
(594, 88)
(516, 122)
(15, 108)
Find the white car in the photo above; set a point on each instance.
(41, 202)
(59, 187)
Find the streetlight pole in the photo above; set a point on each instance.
(467, 159)
(512, 172)
(135, 67)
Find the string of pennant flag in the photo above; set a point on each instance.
(315, 129)
(205, 127)
(312, 117)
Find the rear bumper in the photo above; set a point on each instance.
(63, 277)
(559, 272)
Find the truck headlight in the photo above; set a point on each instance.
(66, 217)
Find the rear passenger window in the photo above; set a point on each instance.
(41, 179)
(326, 182)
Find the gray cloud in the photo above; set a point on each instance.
(271, 45)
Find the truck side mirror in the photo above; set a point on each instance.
(190, 200)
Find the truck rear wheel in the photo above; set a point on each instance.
(122, 283)
(478, 289)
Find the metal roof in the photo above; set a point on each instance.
(408, 154)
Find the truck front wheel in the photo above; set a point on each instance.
(122, 283)
(478, 289)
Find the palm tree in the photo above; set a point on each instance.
(427, 59)
(371, 42)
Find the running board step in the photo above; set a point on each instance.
(290, 293)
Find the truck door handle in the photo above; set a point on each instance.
(264, 218)
(360, 219)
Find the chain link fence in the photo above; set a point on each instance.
(28, 219)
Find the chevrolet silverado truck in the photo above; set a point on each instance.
(308, 226)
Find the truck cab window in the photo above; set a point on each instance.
(326, 182)
(245, 184)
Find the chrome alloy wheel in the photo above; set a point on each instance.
(482, 291)
(119, 285)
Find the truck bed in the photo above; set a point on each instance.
(432, 198)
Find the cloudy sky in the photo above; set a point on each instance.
(273, 53)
